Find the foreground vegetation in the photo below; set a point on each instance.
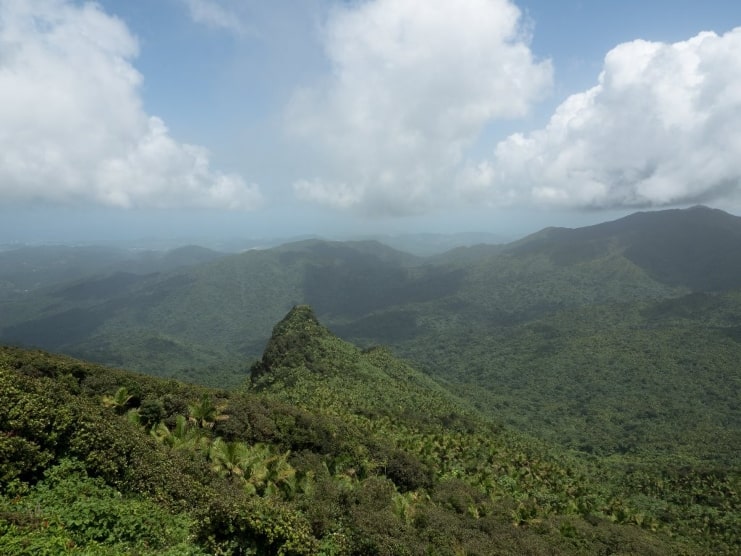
(328, 450)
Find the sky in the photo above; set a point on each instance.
(125, 119)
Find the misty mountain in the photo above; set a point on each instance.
(434, 244)
(210, 312)
(25, 269)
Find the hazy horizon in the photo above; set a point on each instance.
(219, 119)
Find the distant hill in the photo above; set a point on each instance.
(195, 316)
(425, 245)
(25, 269)
(697, 248)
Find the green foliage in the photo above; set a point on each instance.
(205, 413)
(69, 512)
(436, 441)
(119, 401)
(34, 424)
(577, 336)
(333, 450)
(240, 525)
(623, 380)
(582, 337)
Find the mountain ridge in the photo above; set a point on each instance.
(695, 247)
(536, 341)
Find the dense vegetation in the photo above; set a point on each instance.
(615, 346)
(656, 380)
(329, 450)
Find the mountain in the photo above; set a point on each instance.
(574, 336)
(306, 365)
(193, 317)
(695, 248)
(25, 269)
(374, 458)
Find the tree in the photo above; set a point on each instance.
(182, 436)
(119, 401)
(230, 459)
(205, 413)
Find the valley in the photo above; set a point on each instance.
(607, 353)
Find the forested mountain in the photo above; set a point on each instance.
(26, 269)
(619, 339)
(327, 450)
(210, 314)
(696, 248)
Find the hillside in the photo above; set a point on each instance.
(377, 460)
(26, 269)
(208, 315)
(640, 380)
(568, 335)
(695, 248)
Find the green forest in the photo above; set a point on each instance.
(575, 392)
(328, 450)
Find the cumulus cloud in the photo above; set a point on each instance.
(72, 125)
(413, 84)
(661, 127)
(213, 14)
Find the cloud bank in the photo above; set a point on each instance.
(413, 84)
(661, 127)
(72, 125)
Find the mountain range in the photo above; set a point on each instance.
(618, 339)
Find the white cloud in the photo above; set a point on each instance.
(414, 83)
(661, 127)
(72, 126)
(213, 14)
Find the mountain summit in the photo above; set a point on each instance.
(293, 343)
(305, 364)
(698, 248)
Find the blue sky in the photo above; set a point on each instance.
(228, 118)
